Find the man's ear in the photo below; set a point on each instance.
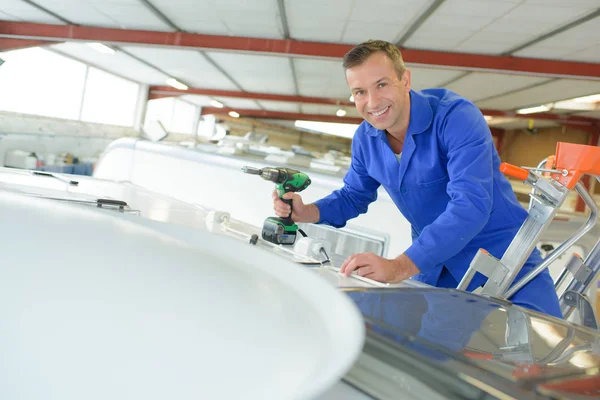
(406, 79)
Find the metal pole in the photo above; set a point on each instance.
(563, 247)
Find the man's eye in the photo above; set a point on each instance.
(359, 93)
(382, 84)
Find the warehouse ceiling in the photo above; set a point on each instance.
(282, 58)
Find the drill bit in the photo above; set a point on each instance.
(251, 170)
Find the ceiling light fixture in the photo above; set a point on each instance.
(234, 114)
(102, 48)
(533, 110)
(594, 98)
(216, 103)
(488, 117)
(176, 84)
(340, 113)
(351, 98)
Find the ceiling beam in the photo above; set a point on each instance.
(506, 64)
(574, 120)
(15, 44)
(247, 113)
(167, 91)
(559, 118)
(420, 21)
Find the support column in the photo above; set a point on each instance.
(141, 107)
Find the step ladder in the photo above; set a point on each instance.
(551, 186)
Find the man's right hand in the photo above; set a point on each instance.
(301, 212)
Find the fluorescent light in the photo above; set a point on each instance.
(332, 128)
(594, 98)
(532, 110)
(585, 103)
(216, 103)
(488, 117)
(351, 98)
(102, 48)
(234, 114)
(176, 84)
(340, 113)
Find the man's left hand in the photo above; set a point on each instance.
(380, 269)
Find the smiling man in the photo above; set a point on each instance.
(433, 153)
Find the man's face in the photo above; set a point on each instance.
(380, 96)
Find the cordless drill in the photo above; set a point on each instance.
(281, 230)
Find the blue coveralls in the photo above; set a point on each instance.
(448, 186)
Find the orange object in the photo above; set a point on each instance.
(577, 159)
(514, 171)
(549, 164)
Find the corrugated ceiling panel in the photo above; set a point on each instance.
(225, 17)
(128, 15)
(119, 63)
(321, 78)
(476, 8)
(367, 21)
(467, 25)
(360, 31)
(423, 78)
(441, 38)
(580, 43)
(280, 106)
(318, 20)
(566, 3)
(17, 10)
(560, 89)
(187, 65)
(481, 85)
(446, 31)
(589, 54)
(481, 47)
(257, 73)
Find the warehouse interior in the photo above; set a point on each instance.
(174, 97)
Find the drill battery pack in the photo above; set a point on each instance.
(274, 231)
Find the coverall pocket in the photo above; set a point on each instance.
(443, 179)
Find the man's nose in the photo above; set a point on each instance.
(373, 99)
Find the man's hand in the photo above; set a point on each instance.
(301, 212)
(380, 269)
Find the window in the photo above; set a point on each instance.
(109, 99)
(37, 81)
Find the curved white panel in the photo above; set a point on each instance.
(95, 304)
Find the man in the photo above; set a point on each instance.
(433, 153)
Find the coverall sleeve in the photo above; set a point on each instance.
(470, 148)
(354, 197)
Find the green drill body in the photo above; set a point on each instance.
(275, 229)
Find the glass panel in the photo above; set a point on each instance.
(36, 81)
(109, 99)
